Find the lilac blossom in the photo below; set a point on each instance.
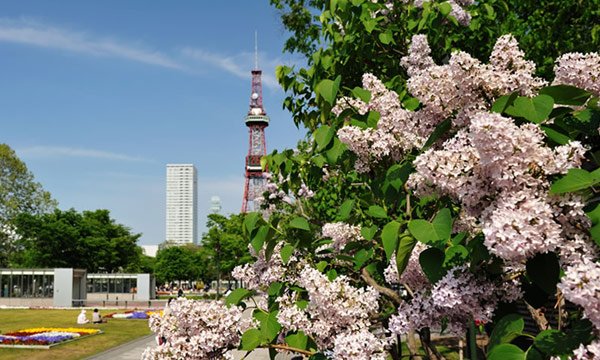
(197, 330)
(580, 70)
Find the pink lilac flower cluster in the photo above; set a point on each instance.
(335, 310)
(580, 70)
(457, 298)
(459, 89)
(262, 272)
(341, 234)
(197, 330)
(581, 285)
(413, 275)
(395, 134)
(498, 172)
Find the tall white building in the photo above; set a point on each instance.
(182, 204)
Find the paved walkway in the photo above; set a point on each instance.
(133, 351)
(129, 351)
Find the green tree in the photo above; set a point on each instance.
(175, 263)
(225, 243)
(90, 240)
(19, 193)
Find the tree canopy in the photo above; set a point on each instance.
(90, 240)
(19, 193)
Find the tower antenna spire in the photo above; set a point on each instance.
(255, 50)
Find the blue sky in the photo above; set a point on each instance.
(98, 96)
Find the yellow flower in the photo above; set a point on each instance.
(71, 329)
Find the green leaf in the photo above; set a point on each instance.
(298, 340)
(553, 342)
(373, 118)
(322, 265)
(364, 95)
(432, 261)
(455, 255)
(377, 212)
(345, 209)
(250, 221)
(556, 136)
(429, 232)
(503, 102)
(544, 271)
(259, 239)
(505, 330)
(361, 257)
(411, 103)
(405, 248)
(368, 232)
(336, 151)
(576, 179)
(286, 253)
(274, 288)
(439, 130)
(270, 327)
(328, 89)
(386, 37)
(251, 339)
(445, 9)
(323, 136)
(566, 94)
(370, 25)
(300, 223)
(397, 175)
(331, 274)
(389, 237)
(534, 109)
(237, 295)
(595, 232)
(506, 352)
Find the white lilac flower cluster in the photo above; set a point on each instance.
(262, 272)
(197, 330)
(498, 172)
(461, 88)
(581, 285)
(580, 70)
(336, 311)
(413, 275)
(457, 298)
(341, 234)
(589, 352)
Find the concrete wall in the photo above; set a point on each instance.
(145, 287)
(30, 302)
(63, 287)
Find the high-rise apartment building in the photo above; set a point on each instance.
(182, 204)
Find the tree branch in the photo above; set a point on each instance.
(538, 317)
(394, 296)
(290, 348)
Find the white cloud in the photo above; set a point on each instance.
(33, 33)
(62, 151)
(191, 60)
(238, 65)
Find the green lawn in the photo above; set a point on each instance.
(116, 332)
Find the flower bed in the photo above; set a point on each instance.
(43, 337)
(133, 314)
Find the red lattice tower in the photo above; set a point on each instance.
(256, 121)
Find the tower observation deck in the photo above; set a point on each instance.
(256, 121)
